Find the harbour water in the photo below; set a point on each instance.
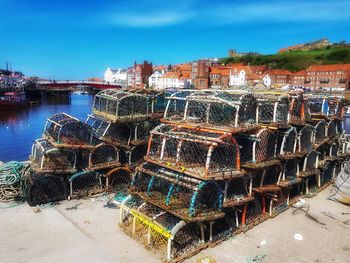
(19, 129)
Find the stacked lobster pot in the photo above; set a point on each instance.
(220, 162)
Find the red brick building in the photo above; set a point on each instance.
(137, 76)
(279, 77)
(298, 79)
(328, 76)
(200, 74)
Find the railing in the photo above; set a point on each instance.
(75, 82)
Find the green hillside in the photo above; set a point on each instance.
(296, 60)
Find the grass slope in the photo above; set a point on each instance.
(296, 60)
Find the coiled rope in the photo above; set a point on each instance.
(12, 185)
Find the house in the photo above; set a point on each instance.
(298, 79)
(138, 75)
(116, 75)
(238, 74)
(328, 76)
(200, 74)
(219, 77)
(277, 77)
(175, 79)
(154, 80)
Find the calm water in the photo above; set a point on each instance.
(19, 129)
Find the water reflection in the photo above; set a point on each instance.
(19, 128)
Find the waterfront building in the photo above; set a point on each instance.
(238, 74)
(277, 77)
(116, 76)
(200, 74)
(154, 80)
(138, 75)
(297, 79)
(328, 76)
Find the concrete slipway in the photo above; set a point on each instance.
(90, 234)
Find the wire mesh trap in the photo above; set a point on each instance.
(299, 110)
(329, 171)
(124, 135)
(66, 131)
(266, 179)
(344, 145)
(188, 198)
(276, 202)
(273, 108)
(12, 180)
(332, 128)
(101, 157)
(257, 146)
(128, 106)
(218, 110)
(286, 142)
(308, 164)
(198, 154)
(45, 158)
(305, 139)
(290, 173)
(162, 233)
(237, 191)
(43, 189)
(320, 133)
(329, 106)
(118, 179)
(85, 184)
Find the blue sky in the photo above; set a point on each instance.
(78, 39)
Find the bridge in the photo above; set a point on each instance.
(72, 85)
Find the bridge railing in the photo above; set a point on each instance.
(48, 82)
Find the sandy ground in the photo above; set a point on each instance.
(90, 234)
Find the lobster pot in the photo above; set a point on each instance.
(326, 105)
(344, 145)
(340, 126)
(45, 158)
(252, 211)
(237, 191)
(134, 155)
(258, 146)
(103, 156)
(156, 97)
(335, 107)
(334, 149)
(224, 227)
(188, 198)
(299, 110)
(305, 139)
(311, 184)
(175, 107)
(318, 104)
(122, 106)
(65, 130)
(309, 163)
(295, 190)
(290, 172)
(332, 129)
(160, 232)
(273, 109)
(328, 172)
(267, 178)
(85, 184)
(287, 142)
(43, 189)
(276, 202)
(99, 126)
(118, 179)
(320, 132)
(199, 154)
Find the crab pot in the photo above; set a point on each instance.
(134, 155)
(332, 129)
(159, 231)
(215, 109)
(198, 154)
(189, 198)
(334, 149)
(85, 184)
(118, 179)
(311, 184)
(103, 156)
(344, 145)
(276, 202)
(237, 190)
(258, 146)
(67, 131)
(121, 134)
(252, 210)
(320, 133)
(224, 227)
(287, 142)
(289, 173)
(273, 109)
(122, 106)
(43, 189)
(328, 172)
(295, 191)
(308, 164)
(45, 158)
(266, 179)
(305, 139)
(299, 110)
(328, 106)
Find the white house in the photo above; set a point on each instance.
(155, 79)
(115, 75)
(267, 80)
(238, 76)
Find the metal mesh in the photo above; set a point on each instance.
(42, 189)
(85, 184)
(290, 171)
(273, 108)
(309, 162)
(45, 158)
(332, 129)
(236, 191)
(305, 138)
(118, 179)
(266, 177)
(328, 172)
(286, 142)
(184, 196)
(195, 153)
(64, 129)
(320, 132)
(162, 233)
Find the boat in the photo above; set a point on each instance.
(13, 100)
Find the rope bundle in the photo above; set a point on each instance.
(12, 185)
